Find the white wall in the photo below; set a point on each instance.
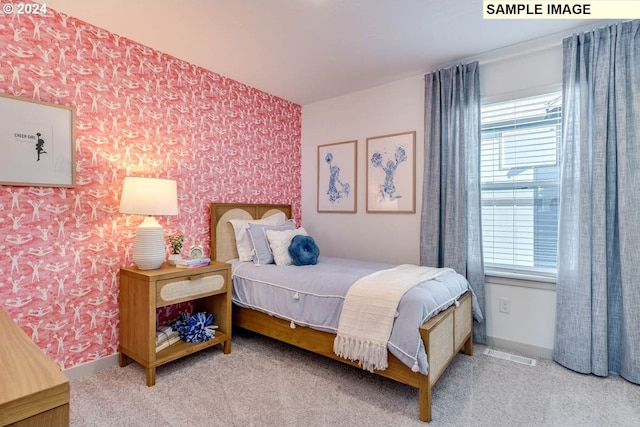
(397, 107)
(392, 108)
(529, 327)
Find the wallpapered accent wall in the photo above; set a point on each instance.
(139, 112)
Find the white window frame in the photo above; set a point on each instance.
(518, 274)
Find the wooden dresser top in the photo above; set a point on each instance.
(29, 380)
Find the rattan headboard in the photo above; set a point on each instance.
(223, 239)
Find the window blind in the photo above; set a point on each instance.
(519, 182)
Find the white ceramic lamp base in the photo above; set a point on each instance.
(149, 247)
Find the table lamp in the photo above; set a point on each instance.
(149, 196)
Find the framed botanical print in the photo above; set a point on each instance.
(391, 173)
(337, 177)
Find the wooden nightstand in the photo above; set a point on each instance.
(143, 291)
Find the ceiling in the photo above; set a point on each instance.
(309, 50)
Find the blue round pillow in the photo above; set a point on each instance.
(303, 250)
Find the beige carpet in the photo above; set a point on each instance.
(266, 383)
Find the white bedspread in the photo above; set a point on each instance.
(369, 310)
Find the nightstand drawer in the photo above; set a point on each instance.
(172, 291)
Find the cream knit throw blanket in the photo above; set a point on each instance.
(369, 310)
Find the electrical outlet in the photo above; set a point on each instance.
(505, 305)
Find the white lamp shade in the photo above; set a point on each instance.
(149, 196)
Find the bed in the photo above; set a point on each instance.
(443, 335)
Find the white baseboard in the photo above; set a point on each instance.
(89, 368)
(521, 348)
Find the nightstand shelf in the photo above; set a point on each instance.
(182, 348)
(142, 292)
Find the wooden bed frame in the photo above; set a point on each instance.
(444, 335)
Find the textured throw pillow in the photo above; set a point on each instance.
(279, 242)
(303, 250)
(240, 227)
(258, 240)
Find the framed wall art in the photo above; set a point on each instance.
(37, 143)
(391, 173)
(337, 177)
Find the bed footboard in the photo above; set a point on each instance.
(444, 336)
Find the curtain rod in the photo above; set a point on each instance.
(527, 47)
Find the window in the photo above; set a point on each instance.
(519, 175)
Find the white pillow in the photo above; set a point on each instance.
(258, 239)
(280, 240)
(240, 227)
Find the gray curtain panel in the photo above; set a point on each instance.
(598, 291)
(450, 234)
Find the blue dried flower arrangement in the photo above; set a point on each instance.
(195, 328)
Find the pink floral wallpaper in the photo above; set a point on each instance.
(139, 112)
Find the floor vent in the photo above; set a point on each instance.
(511, 357)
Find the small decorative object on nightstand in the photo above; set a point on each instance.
(142, 292)
(196, 252)
(176, 241)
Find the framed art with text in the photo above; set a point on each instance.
(337, 177)
(37, 143)
(391, 173)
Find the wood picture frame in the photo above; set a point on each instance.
(337, 177)
(391, 173)
(37, 140)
